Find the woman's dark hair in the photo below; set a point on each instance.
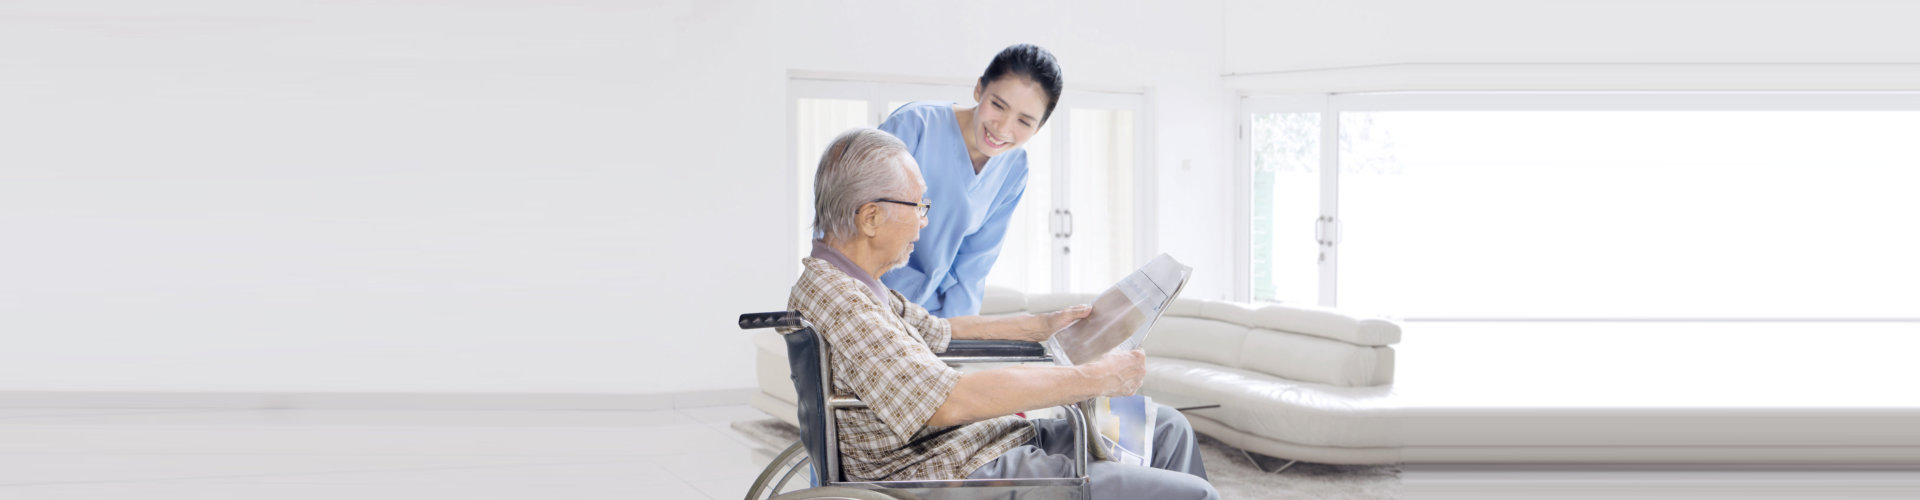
(1033, 63)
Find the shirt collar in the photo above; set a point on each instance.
(839, 260)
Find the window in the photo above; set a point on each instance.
(1079, 225)
(1101, 167)
(1027, 254)
(1286, 192)
(817, 122)
(1594, 206)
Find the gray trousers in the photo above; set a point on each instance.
(1176, 472)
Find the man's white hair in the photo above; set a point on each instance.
(860, 165)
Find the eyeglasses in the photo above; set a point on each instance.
(920, 208)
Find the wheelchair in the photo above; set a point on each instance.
(814, 461)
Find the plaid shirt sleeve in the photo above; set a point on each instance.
(882, 352)
(935, 330)
(878, 357)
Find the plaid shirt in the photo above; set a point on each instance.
(884, 356)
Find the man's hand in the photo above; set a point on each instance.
(1120, 372)
(1057, 320)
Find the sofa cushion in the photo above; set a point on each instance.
(1327, 322)
(1050, 302)
(1314, 359)
(1297, 318)
(1283, 354)
(770, 366)
(1000, 301)
(1198, 339)
(1286, 410)
(1185, 307)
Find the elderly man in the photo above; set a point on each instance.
(924, 420)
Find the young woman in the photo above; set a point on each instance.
(976, 172)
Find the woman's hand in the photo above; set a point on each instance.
(1057, 320)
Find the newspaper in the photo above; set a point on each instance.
(1126, 428)
(1123, 314)
(1122, 428)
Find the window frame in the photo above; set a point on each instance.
(1145, 235)
(1332, 105)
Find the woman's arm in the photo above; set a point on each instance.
(1028, 327)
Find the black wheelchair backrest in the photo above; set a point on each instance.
(803, 359)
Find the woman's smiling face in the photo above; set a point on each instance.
(1011, 111)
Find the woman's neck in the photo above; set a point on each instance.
(967, 127)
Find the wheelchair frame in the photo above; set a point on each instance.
(809, 360)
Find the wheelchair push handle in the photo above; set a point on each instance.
(777, 319)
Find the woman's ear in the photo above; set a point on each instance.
(979, 90)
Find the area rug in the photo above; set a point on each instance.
(1227, 467)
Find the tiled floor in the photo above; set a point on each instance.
(666, 454)
(363, 454)
(1652, 481)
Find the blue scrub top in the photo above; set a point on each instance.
(948, 270)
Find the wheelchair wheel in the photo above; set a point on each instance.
(838, 493)
(791, 477)
(789, 472)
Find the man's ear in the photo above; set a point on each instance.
(868, 218)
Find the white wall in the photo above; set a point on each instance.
(1315, 35)
(490, 196)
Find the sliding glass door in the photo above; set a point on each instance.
(1592, 206)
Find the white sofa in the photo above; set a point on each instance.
(1319, 385)
(1252, 361)
(1272, 369)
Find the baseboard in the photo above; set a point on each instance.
(372, 400)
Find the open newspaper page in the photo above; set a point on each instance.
(1122, 316)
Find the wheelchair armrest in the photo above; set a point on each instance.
(1080, 456)
(776, 319)
(994, 351)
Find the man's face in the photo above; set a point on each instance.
(902, 226)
